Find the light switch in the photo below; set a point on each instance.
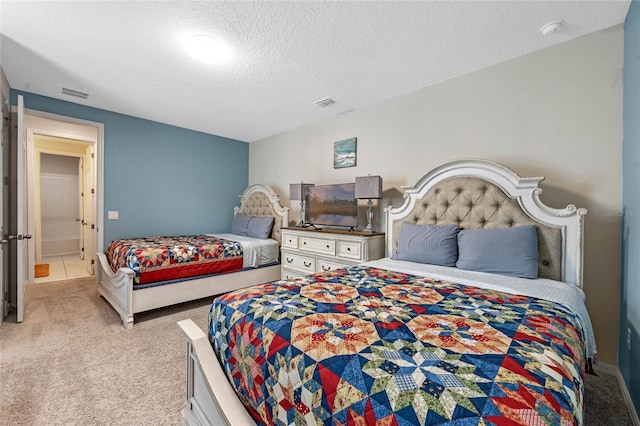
(112, 214)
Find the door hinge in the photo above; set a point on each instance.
(82, 249)
(93, 227)
(93, 191)
(92, 155)
(93, 261)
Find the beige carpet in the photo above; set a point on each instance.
(72, 362)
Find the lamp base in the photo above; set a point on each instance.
(369, 228)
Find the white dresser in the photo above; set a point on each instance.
(309, 251)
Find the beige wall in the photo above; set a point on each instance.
(555, 113)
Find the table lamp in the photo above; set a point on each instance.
(369, 187)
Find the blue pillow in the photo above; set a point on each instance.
(260, 226)
(433, 244)
(240, 224)
(507, 251)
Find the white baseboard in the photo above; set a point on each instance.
(612, 369)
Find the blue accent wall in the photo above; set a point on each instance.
(163, 180)
(628, 360)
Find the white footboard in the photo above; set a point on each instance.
(210, 398)
(117, 288)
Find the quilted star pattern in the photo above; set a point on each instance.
(366, 346)
(322, 336)
(411, 293)
(459, 334)
(329, 292)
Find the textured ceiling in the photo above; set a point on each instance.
(286, 55)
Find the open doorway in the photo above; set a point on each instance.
(63, 209)
(62, 189)
(67, 142)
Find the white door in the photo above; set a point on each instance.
(23, 236)
(89, 201)
(4, 216)
(80, 218)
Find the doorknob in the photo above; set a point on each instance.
(18, 237)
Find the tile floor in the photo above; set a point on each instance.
(63, 267)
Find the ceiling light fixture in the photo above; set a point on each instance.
(551, 28)
(208, 49)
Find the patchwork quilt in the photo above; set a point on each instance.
(366, 346)
(156, 259)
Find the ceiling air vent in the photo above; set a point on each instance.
(325, 102)
(75, 93)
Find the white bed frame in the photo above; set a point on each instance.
(117, 287)
(211, 400)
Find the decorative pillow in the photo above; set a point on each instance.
(433, 244)
(240, 224)
(507, 251)
(260, 226)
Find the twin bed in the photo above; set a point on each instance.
(501, 337)
(137, 275)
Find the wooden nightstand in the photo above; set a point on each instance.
(307, 251)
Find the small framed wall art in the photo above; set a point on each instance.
(344, 153)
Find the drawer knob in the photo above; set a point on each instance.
(326, 268)
(307, 264)
(289, 260)
(328, 246)
(348, 248)
(305, 243)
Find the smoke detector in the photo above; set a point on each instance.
(551, 28)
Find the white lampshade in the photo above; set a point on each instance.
(369, 187)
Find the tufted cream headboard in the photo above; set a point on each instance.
(261, 200)
(475, 194)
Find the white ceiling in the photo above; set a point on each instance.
(286, 55)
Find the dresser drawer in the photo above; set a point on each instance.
(350, 250)
(289, 273)
(298, 261)
(289, 240)
(328, 265)
(318, 245)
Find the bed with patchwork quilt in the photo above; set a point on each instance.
(140, 274)
(171, 257)
(367, 345)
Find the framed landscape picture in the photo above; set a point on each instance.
(344, 153)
